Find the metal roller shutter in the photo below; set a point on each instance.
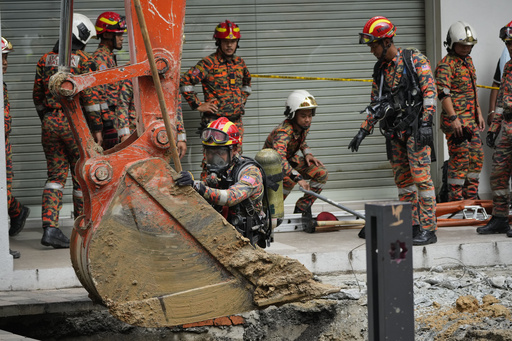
(279, 37)
(310, 39)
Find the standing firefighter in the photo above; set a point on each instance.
(502, 158)
(225, 78)
(288, 138)
(60, 147)
(403, 102)
(17, 212)
(461, 119)
(238, 191)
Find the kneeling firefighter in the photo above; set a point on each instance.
(403, 102)
(235, 185)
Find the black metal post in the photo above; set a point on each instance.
(389, 271)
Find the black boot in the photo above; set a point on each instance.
(308, 223)
(362, 233)
(416, 229)
(53, 236)
(18, 223)
(425, 237)
(496, 225)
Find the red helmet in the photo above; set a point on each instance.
(377, 28)
(227, 30)
(221, 132)
(110, 22)
(506, 32)
(6, 46)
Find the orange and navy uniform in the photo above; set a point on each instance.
(113, 95)
(287, 141)
(60, 147)
(456, 78)
(502, 157)
(225, 80)
(248, 186)
(410, 162)
(14, 206)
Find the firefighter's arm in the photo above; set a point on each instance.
(250, 182)
(427, 84)
(187, 82)
(38, 95)
(246, 83)
(280, 145)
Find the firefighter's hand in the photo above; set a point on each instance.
(98, 137)
(311, 159)
(110, 138)
(425, 135)
(182, 148)
(491, 139)
(185, 179)
(209, 106)
(457, 127)
(356, 141)
(304, 184)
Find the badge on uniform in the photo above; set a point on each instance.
(232, 80)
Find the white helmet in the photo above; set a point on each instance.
(83, 28)
(299, 99)
(460, 32)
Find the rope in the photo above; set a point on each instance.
(338, 79)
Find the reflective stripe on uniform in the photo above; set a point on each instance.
(473, 175)
(187, 88)
(307, 151)
(501, 193)
(104, 106)
(123, 131)
(223, 197)
(458, 182)
(427, 194)
(499, 110)
(78, 193)
(408, 189)
(92, 108)
(53, 185)
(429, 101)
(314, 184)
(247, 89)
(182, 137)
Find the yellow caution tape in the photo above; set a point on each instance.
(338, 79)
(314, 78)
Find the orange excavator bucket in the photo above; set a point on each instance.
(154, 253)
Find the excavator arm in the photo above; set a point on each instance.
(154, 253)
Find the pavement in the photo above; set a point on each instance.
(44, 280)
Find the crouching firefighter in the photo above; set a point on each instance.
(403, 102)
(235, 184)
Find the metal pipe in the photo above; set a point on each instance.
(332, 203)
(65, 34)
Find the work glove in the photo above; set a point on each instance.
(467, 135)
(491, 139)
(425, 135)
(185, 179)
(110, 136)
(356, 141)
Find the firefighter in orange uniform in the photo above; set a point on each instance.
(403, 102)
(18, 213)
(60, 147)
(461, 118)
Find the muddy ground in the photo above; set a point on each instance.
(451, 303)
